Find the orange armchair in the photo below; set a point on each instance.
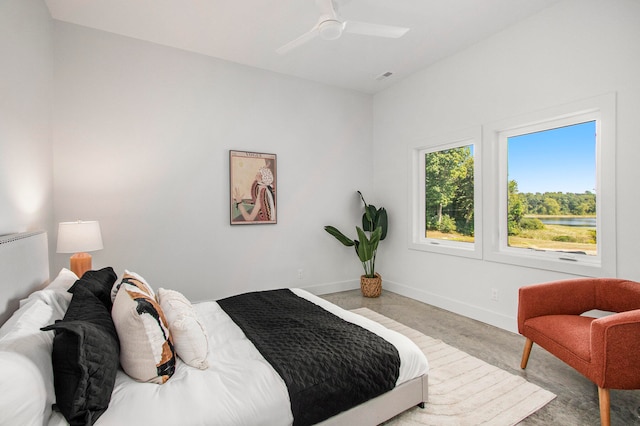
(604, 350)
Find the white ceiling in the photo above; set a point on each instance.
(249, 32)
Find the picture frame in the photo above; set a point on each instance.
(252, 188)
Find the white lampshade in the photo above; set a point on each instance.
(80, 236)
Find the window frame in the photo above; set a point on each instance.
(417, 229)
(599, 109)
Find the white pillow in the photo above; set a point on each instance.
(146, 348)
(23, 390)
(63, 281)
(26, 372)
(55, 296)
(31, 315)
(189, 335)
(32, 349)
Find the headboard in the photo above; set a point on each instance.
(24, 268)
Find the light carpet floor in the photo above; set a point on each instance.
(464, 390)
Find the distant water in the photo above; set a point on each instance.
(582, 222)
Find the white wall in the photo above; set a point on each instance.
(141, 139)
(26, 75)
(575, 50)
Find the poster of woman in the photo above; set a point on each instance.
(252, 187)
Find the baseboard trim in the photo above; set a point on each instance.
(333, 287)
(486, 316)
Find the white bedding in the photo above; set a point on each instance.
(238, 388)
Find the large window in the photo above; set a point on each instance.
(551, 193)
(446, 195)
(551, 189)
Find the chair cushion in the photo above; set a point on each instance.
(562, 333)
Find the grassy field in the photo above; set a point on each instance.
(451, 236)
(576, 239)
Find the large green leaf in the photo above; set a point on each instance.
(364, 247)
(376, 236)
(339, 236)
(367, 246)
(382, 222)
(372, 219)
(369, 218)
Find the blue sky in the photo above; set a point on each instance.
(557, 160)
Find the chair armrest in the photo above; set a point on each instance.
(615, 345)
(565, 297)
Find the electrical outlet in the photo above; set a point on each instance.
(494, 294)
(300, 274)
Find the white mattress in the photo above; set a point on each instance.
(239, 388)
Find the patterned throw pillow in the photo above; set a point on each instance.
(146, 346)
(116, 285)
(188, 333)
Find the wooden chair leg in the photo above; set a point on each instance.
(525, 354)
(605, 404)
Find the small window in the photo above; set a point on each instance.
(446, 196)
(449, 206)
(552, 201)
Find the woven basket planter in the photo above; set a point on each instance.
(371, 287)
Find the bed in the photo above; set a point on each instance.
(231, 384)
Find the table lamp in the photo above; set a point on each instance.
(79, 237)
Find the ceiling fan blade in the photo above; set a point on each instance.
(298, 41)
(376, 30)
(326, 9)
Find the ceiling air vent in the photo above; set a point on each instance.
(384, 75)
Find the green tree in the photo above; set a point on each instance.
(560, 203)
(463, 201)
(449, 182)
(516, 208)
(551, 206)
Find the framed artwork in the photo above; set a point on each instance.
(252, 188)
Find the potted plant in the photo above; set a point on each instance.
(374, 229)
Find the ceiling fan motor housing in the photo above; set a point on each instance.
(330, 29)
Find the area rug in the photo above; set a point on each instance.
(464, 390)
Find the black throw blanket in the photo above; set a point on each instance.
(329, 365)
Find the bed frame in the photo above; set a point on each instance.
(24, 268)
(375, 411)
(24, 260)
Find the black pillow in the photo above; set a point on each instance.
(99, 283)
(85, 358)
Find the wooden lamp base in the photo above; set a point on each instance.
(80, 263)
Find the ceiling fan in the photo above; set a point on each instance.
(331, 27)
